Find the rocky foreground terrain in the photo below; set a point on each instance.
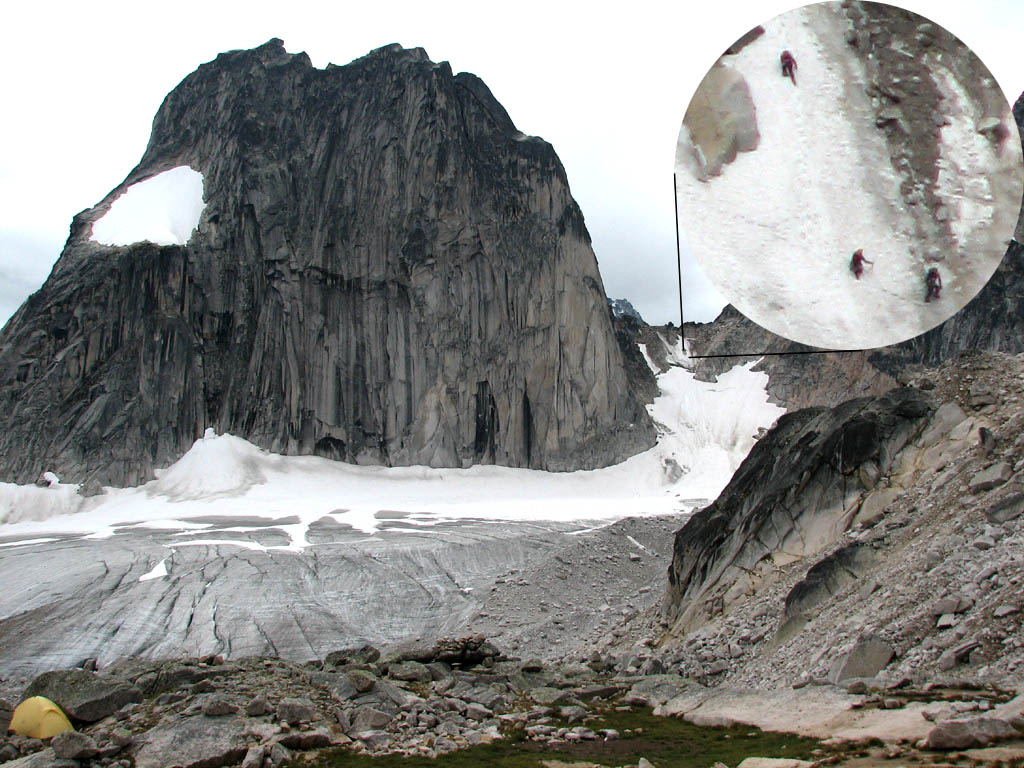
(431, 699)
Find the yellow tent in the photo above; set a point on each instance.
(39, 718)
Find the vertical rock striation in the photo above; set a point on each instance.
(386, 271)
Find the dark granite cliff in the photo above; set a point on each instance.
(386, 271)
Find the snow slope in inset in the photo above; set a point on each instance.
(706, 429)
(163, 209)
(776, 230)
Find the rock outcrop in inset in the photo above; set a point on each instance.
(721, 121)
(386, 271)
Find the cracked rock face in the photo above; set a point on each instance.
(386, 271)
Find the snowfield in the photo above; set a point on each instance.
(706, 429)
(163, 209)
(775, 232)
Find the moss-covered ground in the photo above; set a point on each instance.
(666, 741)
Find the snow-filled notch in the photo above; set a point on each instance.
(163, 209)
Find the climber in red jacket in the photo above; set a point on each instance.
(857, 263)
(789, 66)
(933, 282)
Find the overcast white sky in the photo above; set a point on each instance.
(606, 84)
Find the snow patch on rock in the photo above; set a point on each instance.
(163, 209)
(159, 570)
(965, 162)
(23, 503)
(214, 466)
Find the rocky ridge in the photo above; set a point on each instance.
(931, 564)
(918, 583)
(774, 512)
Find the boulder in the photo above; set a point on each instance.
(6, 710)
(967, 734)
(197, 742)
(295, 710)
(598, 692)
(363, 654)
(219, 706)
(460, 651)
(410, 671)
(488, 695)
(869, 656)
(376, 739)
(361, 680)
(658, 689)
(338, 684)
(73, 745)
(304, 740)
(1008, 509)
(476, 711)
(369, 719)
(549, 696)
(153, 677)
(258, 706)
(279, 754)
(83, 695)
(439, 670)
(44, 758)
(992, 477)
(720, 121)
(954, 604)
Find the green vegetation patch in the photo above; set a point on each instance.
(667, 742)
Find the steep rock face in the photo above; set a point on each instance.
(992, 321)
(386, 271)
(628, 330)
(1018, 116)
(801, 486)
(797, 379)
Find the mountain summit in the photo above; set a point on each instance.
(381, 269)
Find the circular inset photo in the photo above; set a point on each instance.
(848, 175)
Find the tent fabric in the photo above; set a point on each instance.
(39, 718)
